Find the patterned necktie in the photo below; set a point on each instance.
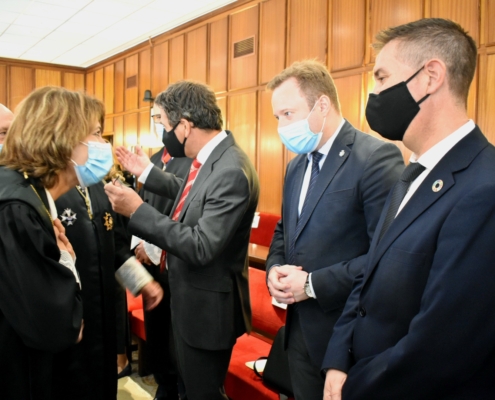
(412, 171)
(193, 172)
(315, 170)
(165, 157)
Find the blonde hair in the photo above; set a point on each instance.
(314, 81)
(47, 126)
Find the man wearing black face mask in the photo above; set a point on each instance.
(418, 324)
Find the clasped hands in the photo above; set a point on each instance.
(286, 283)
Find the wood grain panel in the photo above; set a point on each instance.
(272, 39)
(472, 101)
(389, 13)
(90, 83)
(242, 122)
(347, 34)
(109, 93)
(108, 126)
(3, 85)
(46, 77)
(488, 19)
(99, 84)
(144, 82)
(486, 104)
(176, 59)
(131, 93)
(196, 54)
(73, 81)
(307, 35)
(160, 69)
(244, 70)
(464, 12)
(218, 55)
(118, 131)
(78, 82)
(222, 103)
(119, 83)
(270, 158)
(131, 129)
(144, 130)
(21, 84)
(349, 89)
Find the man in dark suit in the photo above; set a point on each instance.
(419, 323)
(334, 193)
(205, 240)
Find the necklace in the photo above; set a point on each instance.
(84, 194)
(37, 194)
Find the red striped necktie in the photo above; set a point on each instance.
(165, 157)
(193, 172)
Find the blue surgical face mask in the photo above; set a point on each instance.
(1, 147)
(298, 138)
(100, 161)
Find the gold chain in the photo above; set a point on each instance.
(43, 204)
(86, 200)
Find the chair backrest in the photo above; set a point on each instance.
(267, 318)
(263, 234)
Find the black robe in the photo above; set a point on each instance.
(89, 369)
(40, 300)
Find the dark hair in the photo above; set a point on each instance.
(428, 38)
(192, 101)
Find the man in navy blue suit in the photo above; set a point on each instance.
(420, 322)
(334, 192)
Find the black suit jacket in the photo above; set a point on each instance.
(207, 248)
(344, 209)
(420, 322)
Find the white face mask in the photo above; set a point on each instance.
(298, 138)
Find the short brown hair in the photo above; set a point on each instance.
(47, 126)
(314, 81)
(95, 111)
(428, 38)
(192, 101)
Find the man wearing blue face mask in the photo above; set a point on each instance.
(334, 193)
(6, 118)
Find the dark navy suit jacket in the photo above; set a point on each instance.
(420, 322)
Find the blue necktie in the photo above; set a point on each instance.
(315, 170)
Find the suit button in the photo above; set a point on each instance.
(362, 311)
(351, 352)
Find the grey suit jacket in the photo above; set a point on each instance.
(207, 248)
(344, 209)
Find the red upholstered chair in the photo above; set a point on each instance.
(136, 322)
(241, 382)
(264, 232)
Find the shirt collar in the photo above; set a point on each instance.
(325, 149)
(431, 157)
(208, 148)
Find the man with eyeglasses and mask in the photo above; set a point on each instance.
(419, 323)
(334, 192)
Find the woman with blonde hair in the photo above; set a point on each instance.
(49, 149)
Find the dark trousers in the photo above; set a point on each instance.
(307, 381)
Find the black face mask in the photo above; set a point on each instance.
(390, 112)
(174, 147)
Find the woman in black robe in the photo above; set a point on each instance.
(40, 298)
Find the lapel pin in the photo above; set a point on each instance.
(437, 185)
(341, 154)
(68, 216)
(108, 221)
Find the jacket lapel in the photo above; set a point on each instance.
(294, 191)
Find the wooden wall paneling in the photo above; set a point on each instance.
(130, 129)
(308, 30)
(109, 92)
(118, 131)
(90, 83)
(196, 54)
(119, 86)
(144, 139)
(472, 101)
(99, 84)
(222, 103)
(271, 153)
(21, 84)
(79, 82)
(131, 74)
(176, 59)
(488, 17)
(464, 12)
(244, 70)
(272, 39)
(388, 13)
(3, 85)
(347, 34)
(242, 122)
(144, 76)
(47, 77)
(159, 77)
(486, 103)
(218, 55)
(108, 126)
(349, 89)
(73, 81)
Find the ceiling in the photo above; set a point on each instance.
(81, 33)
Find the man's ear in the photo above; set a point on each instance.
(436, 71)
(188, 125)
(324, 105)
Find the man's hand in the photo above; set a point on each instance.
(141, 254)
(124, 199)
(79, 338)
(333, 384)
(62, 240)
(296, 278)
(152, 295)
(281, 291)
(135, 163)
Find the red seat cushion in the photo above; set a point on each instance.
(264, 232)
(137, 323)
